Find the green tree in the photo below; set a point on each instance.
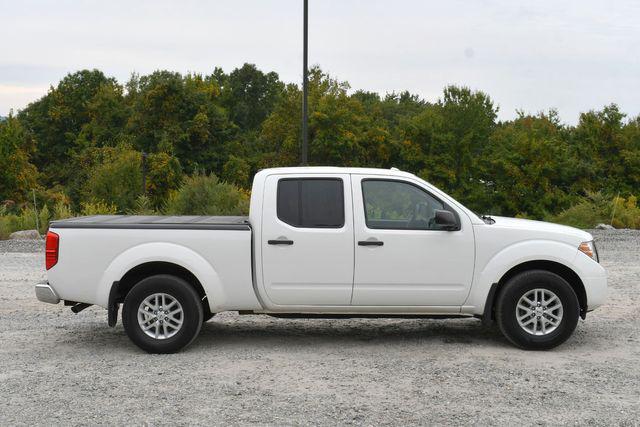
(250, 95)
(279, 143)
(17, 174)
(56, 120)
(79, 145)
(341, 132)
(207, 195)
(425, 147)
(528, 167)
(446, 141)
(607, 151)
(108, 113)
(469, 118)
(630, 158)
(116, 178)
(164, 174)
(181, 116)
(236, 171)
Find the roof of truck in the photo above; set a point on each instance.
(333, 169)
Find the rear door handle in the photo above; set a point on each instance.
(280, 242)
(370, 243)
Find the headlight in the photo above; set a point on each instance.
(589, 249)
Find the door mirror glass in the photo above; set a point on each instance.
(446, 220)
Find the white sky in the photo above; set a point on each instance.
(569, 55)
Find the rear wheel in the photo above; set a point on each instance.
(537, 310)
(162, 314)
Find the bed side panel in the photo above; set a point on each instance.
(91, 259)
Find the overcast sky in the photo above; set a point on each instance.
(529, 55)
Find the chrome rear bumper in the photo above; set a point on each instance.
(45, 293)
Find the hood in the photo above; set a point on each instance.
(544, 228)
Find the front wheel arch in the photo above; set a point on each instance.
(554, 267)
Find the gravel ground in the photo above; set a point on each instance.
(60, 368)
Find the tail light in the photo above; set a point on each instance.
(51, 249)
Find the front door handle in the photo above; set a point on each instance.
(280, 242)
(370, 243)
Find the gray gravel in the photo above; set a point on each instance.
(60, 368)
(12, 246)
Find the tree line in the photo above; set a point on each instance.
(81, 145)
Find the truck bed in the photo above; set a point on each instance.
(97, 251)
(156, 222)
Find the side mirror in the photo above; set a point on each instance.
(446, 219)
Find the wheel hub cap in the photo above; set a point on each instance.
(160, 316)
(539, 312)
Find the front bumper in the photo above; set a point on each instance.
(45, 293)
(594, 279)
(596, 289)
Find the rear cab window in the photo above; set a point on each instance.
(311, 202)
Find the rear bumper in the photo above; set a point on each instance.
(45, 293)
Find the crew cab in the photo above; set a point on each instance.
(323, 241)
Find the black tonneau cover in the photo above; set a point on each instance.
(156, 222)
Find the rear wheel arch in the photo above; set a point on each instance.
(554, 267)
(122, 287)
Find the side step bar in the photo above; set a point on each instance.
(354, 315)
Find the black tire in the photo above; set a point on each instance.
(178, 289)
(518, 286)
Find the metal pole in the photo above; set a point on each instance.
(305, 81)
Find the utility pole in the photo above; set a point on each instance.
(305, 83)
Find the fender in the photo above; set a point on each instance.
(503, 261)
(164, 252)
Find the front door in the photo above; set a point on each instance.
(307, 239)
(402, 258)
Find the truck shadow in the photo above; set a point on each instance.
(265, 333)
(251, 332)
(301, 332)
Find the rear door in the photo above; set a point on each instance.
(307, 239)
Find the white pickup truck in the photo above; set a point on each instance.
(334, 242)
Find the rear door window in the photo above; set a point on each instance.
(311, 202)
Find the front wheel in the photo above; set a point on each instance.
(537, 310)
(162, 314)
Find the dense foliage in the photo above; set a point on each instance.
(80, 147)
